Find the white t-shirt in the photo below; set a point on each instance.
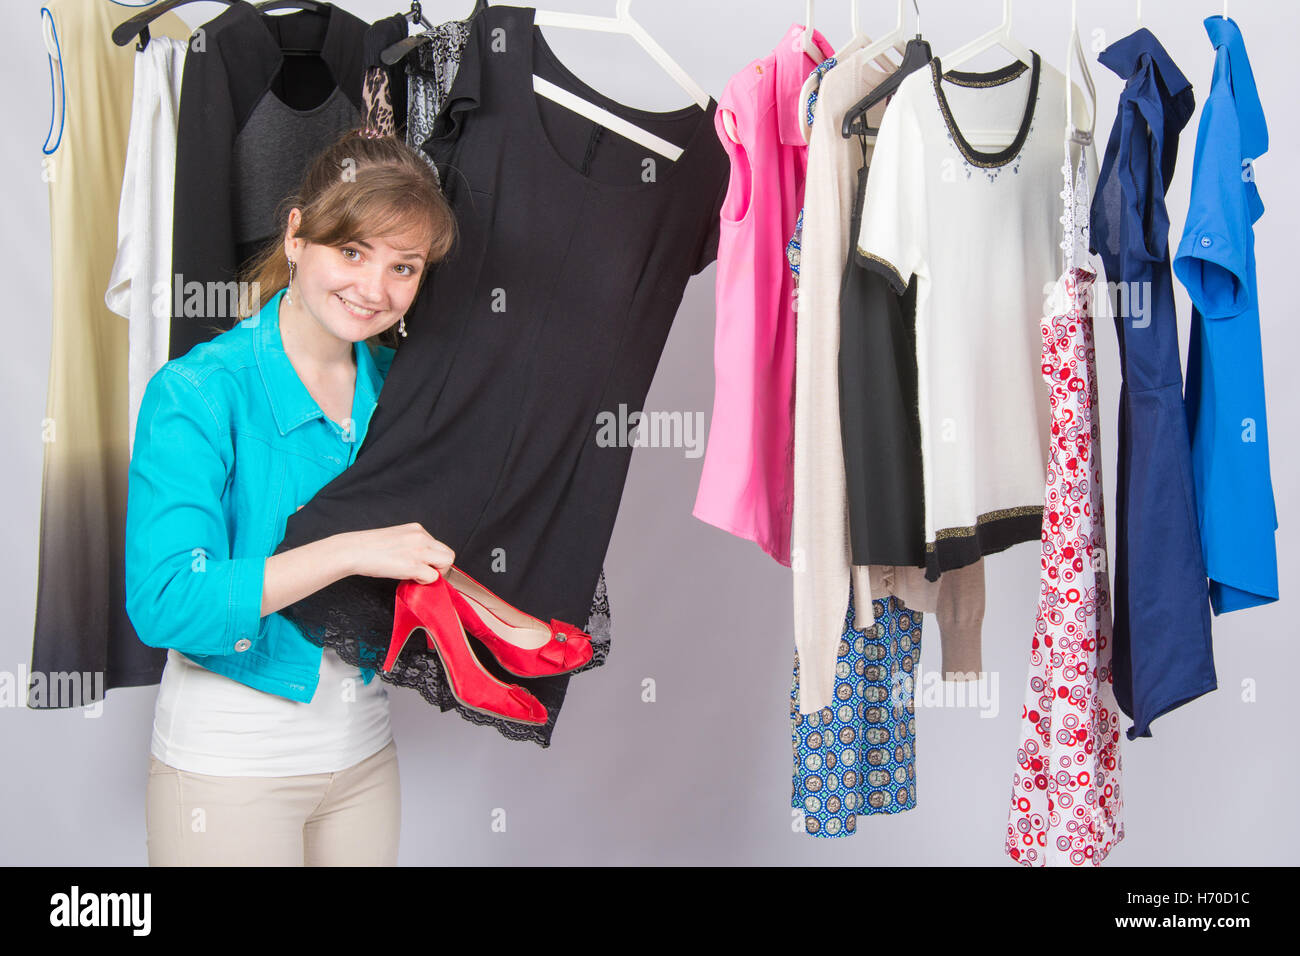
(204, 722)
(973, 163)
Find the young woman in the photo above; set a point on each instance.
(267, 749)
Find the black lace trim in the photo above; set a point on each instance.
(345, 622)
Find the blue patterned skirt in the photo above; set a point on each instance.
(859, 755)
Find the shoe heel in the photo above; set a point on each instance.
(405, 623)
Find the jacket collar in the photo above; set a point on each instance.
(1124, 57)
(1232, 61)
(291, 403)
(791, 70)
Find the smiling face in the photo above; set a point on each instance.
(359, 289)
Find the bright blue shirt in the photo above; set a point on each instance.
(228, 444)
(1225, 365)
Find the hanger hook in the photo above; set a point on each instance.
(918, 17)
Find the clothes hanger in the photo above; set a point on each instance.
(1074, 134)
(58, 91)
(307, 6)
(138, 24)
(814, 53)
(416, 15)
(402, 48)
(809, 44)
(895, 39)
(311, 6)
(998, 36)
(916, 55)
(1075, 52)
(854, 44)
(622, 23)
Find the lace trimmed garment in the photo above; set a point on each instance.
(497, 428)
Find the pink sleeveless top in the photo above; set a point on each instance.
(746, 486)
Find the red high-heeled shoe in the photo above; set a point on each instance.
(520, 642)
(429, 606)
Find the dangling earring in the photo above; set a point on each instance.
(287, 289)
(401, 326)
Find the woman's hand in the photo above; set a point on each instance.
(402, 552)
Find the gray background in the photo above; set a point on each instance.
(702, 775)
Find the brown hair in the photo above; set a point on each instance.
(360, 186)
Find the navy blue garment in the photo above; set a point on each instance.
(1163, 657)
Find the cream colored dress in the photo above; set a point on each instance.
(81, 622)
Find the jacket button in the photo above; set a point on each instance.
(243, 644)
(1206, 242)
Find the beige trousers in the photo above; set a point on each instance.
(347, 818)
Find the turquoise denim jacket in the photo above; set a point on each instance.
(228, 444)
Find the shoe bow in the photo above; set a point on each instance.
(567, 645)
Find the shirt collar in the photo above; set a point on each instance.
(291, 403)
(792, 68)
(1231, 54)
(1125, 56)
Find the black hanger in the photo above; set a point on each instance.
(138, 25)
(311, 6)
(402, 48)
(416, 15)
(915, 55)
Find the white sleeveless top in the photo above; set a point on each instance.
(205, 722)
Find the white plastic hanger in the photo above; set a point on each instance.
(1075, 134)
(999, 36)
(809, 43)
(1075, 52)
(1139, 16)
(895, 39)
(814, 53)
(623, 23)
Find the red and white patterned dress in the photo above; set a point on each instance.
(1066, 806)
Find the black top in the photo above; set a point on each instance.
(548, 317)
(879, 418)
(251, 120)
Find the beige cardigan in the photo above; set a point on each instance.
(820, 554)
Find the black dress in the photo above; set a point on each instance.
(497, 427)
